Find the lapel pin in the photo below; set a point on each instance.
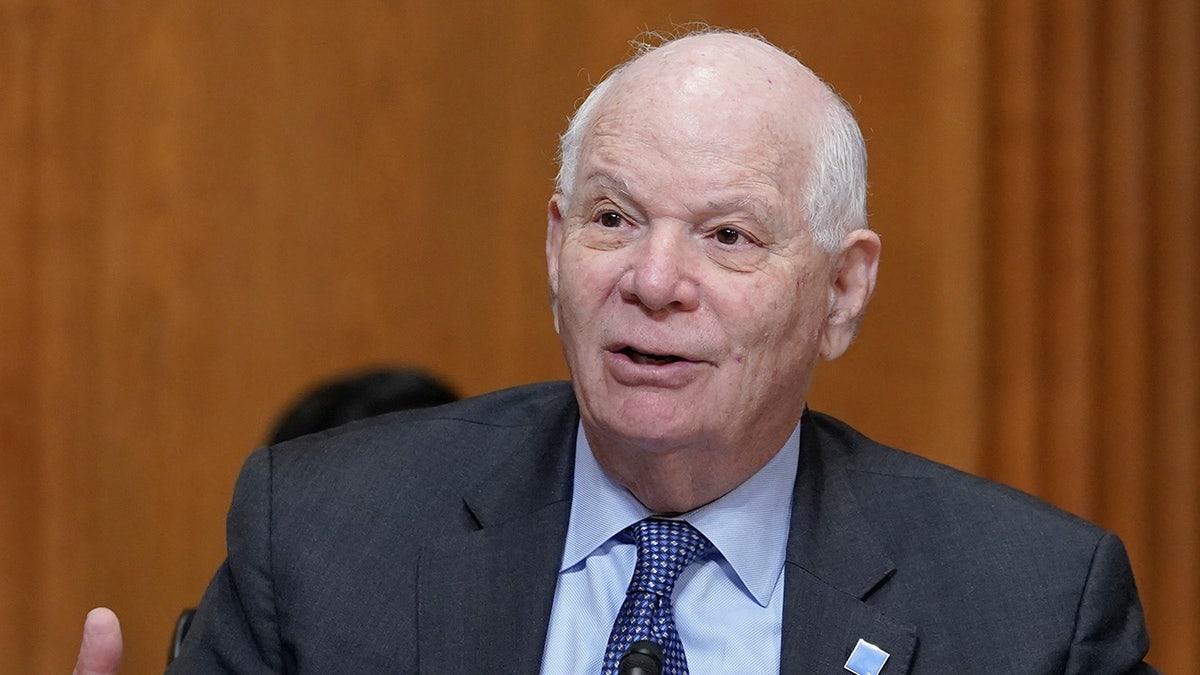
(866, 659)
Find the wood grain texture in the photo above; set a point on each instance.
(19, 441)
(1093, 158)
(1171, 457)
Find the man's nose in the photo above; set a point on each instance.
(663, 274)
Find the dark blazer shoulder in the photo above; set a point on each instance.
(326, 534)
(891, 477)
(978, 566)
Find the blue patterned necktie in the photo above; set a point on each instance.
(665, 547)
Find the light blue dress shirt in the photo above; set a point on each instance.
(728, 603)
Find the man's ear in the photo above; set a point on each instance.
(855, 268)
(554, 231)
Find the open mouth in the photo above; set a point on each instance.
(650, 359)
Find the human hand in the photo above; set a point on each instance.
(101, 647)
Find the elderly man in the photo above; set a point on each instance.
(677, 504)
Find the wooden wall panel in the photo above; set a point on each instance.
(214, 204)
(1123, 225)
(1172, 443)
(1067, 242)
(76, 504)
(1092, 220)
(1015, 50)
(19, 484)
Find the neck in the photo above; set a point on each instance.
(680, 478)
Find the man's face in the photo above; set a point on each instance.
(690, 296)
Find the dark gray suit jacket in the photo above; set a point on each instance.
(429, 542)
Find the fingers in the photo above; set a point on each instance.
(100, 650)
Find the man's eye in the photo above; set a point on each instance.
(611, 219)
(728, 236)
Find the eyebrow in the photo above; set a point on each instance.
(735, 204)
(757, 207)
(611, 182)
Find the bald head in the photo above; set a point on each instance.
(723, 91)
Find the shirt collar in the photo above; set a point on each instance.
(748, 526)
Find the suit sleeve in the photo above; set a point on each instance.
(236, 629)
(1110, 632)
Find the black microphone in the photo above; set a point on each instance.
(643, 657)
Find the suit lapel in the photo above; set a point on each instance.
(834, 563)
(484, 596)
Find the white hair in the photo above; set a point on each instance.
(835, 195)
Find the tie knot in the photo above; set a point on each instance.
(665, 547)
